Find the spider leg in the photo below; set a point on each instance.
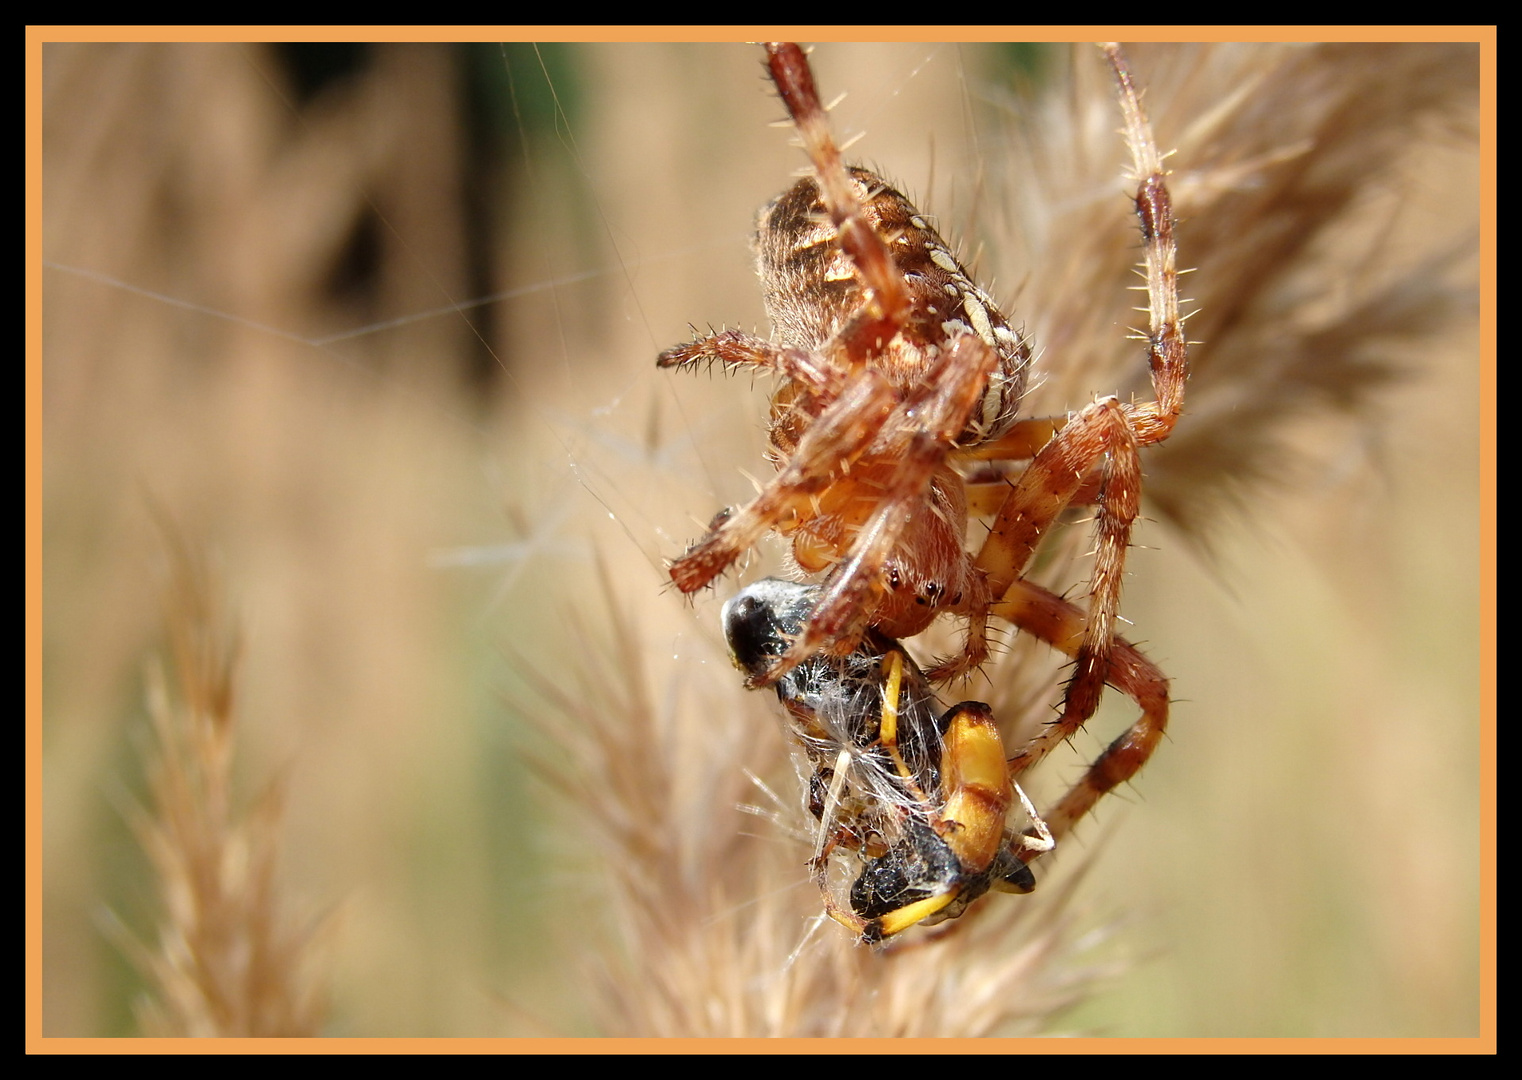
(986, 500)
(974, 647)
(1019, 443)
(1101, 433)
(1062, 625)
(1098, 438)
(1106, 437)
(727, 348)
(840, 434)
(1054, 478)
(888, 300)
(1167, 353)
(734, 349)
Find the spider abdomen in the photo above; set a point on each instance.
(812, 289)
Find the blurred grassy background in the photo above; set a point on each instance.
(256, 261)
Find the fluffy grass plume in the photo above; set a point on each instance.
(230, 959)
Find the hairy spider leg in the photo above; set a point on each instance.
(850, 424)
(1105, 436)
(1062, 625)
(887, 306)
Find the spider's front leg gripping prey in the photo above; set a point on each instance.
(844, 430)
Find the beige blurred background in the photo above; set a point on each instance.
(254, 312)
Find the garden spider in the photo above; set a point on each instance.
(900, 379)
(920, 796)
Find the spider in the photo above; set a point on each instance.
(921, 798)
(899, 381)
